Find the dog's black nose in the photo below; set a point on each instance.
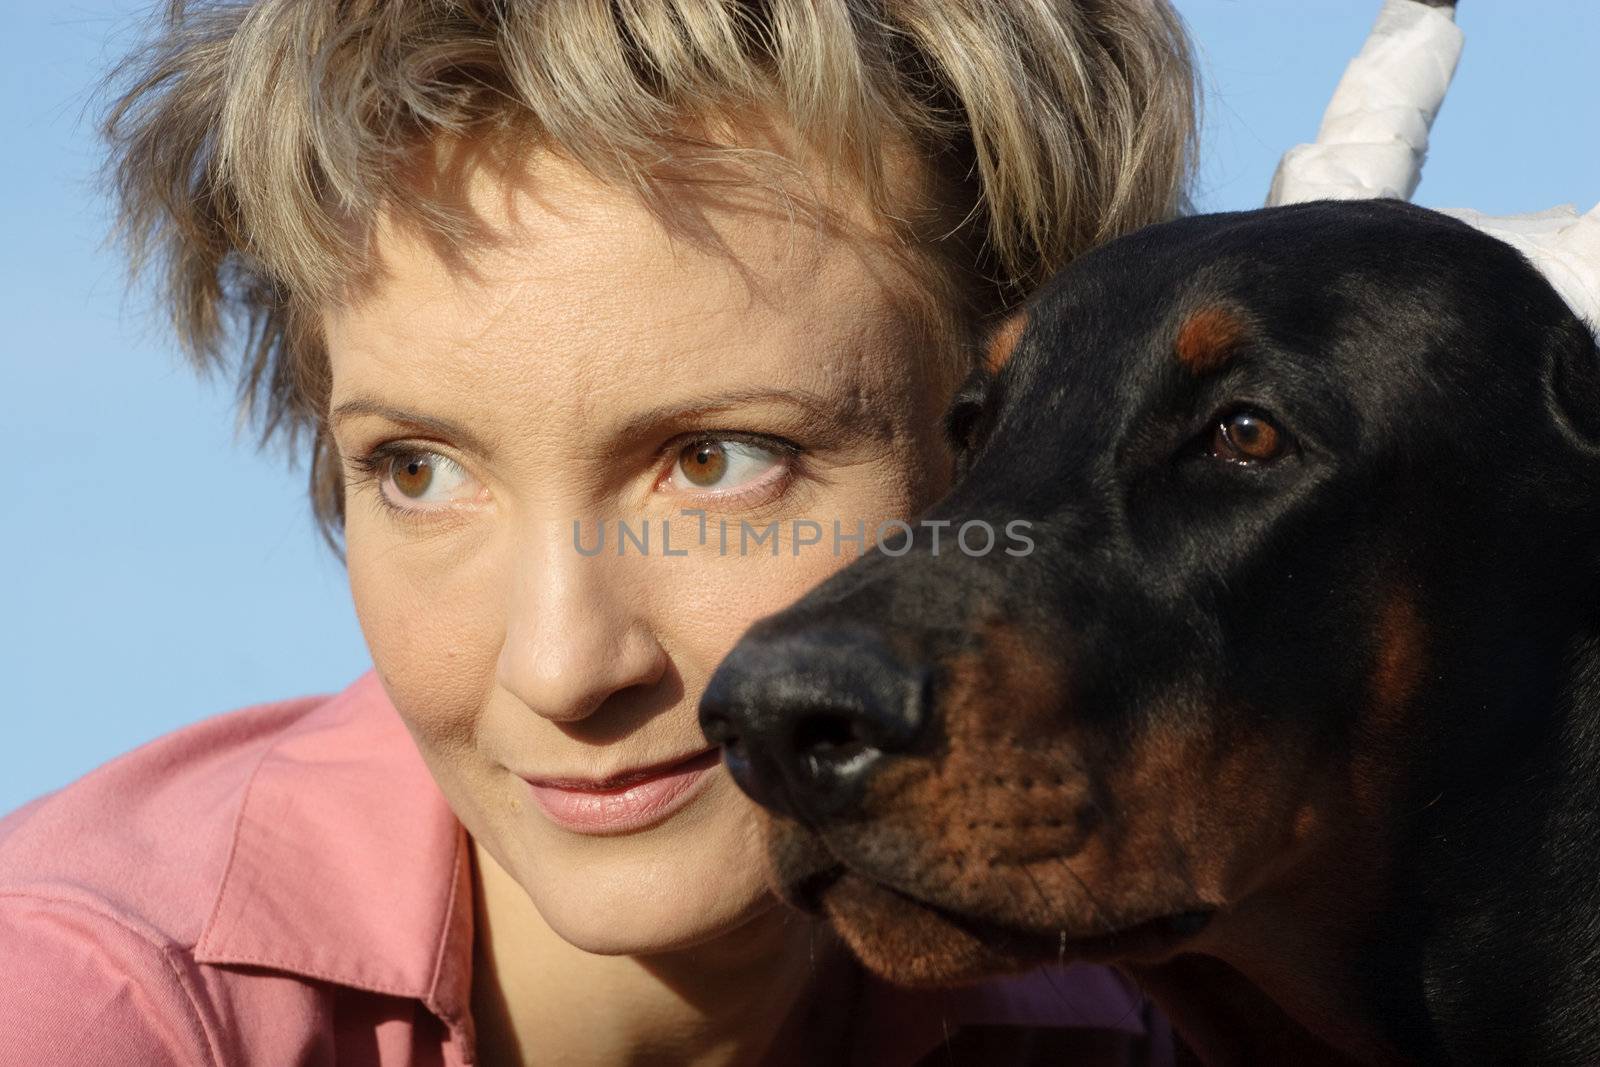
(804, 716)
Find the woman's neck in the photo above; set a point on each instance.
(776, 990)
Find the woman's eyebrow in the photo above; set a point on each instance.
(366, 405)
(812, 405)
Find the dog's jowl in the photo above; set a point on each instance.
(1292, 710)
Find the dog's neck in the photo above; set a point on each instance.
(1226, 1018)
(1511, 876)
(1280, 988)
(1472, 939)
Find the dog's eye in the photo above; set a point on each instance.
(1247, 437)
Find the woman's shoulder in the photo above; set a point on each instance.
(142, 836)
(106, 881)
(225, 887)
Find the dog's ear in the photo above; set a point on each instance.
(1572, 386)
(1572, 396)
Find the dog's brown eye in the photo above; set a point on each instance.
(1246, 437)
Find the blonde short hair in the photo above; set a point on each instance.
(254, 143)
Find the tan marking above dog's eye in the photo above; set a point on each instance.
(1208, 339)
(1247, 437)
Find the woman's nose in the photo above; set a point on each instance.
(574, 633)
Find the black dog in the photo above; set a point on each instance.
(1293, 708)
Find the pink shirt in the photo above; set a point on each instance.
(285, 884)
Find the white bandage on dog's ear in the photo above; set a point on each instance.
(1374, 139)
(1374, 134)
(1562, 244)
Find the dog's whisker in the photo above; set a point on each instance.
(1049, 908)
(1088, 894)
(1044, 898)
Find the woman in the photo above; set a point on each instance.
(527, 275)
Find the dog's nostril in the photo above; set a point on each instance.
(833, 735)
(718, 728)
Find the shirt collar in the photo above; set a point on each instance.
(347, 863)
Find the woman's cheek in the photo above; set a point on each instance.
(735, 577)
(429, 626)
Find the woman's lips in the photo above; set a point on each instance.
(628, 802)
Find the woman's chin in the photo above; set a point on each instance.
(622, 924)
(674, 886)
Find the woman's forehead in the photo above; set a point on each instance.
(578, 293)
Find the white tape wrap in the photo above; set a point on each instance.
(1374, 134)
(1374, 138)
(1563, 244)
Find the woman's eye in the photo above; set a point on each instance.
(417, 473)
(721, 464)
(1247, 437)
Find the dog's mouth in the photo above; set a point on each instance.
(1144, 941)
(916, 941)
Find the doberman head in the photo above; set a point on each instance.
(1256, 650)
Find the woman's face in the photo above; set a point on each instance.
(582, 371)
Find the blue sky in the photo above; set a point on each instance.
(159, 570)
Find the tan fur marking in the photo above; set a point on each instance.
(1397, 671)
(1003, 342)
(1399, 663)
(1207, 339)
